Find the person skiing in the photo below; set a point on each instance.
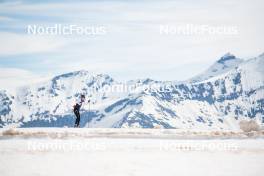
(76, 110)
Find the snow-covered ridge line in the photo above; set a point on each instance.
(232, 90)
(64, 133)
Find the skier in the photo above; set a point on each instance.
(76, 110)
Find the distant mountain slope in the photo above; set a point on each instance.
(224, 64)
(229, 91)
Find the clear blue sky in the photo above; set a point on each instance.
(132, 47)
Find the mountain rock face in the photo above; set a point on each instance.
(231, 90)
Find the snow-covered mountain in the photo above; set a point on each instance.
(224, 64)
(230, 90)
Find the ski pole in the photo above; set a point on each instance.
(89, 110)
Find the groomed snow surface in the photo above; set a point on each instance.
(121, 152)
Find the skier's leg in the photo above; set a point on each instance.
(77, 116)
(78, 119)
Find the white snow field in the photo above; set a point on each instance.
(129, 152)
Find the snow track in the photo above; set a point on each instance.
(129, 152)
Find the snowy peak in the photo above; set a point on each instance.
(71, 74)
(82, 77)
(226, 57)
(82, 74)
(223, 65)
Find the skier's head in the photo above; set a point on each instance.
(82, 97)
